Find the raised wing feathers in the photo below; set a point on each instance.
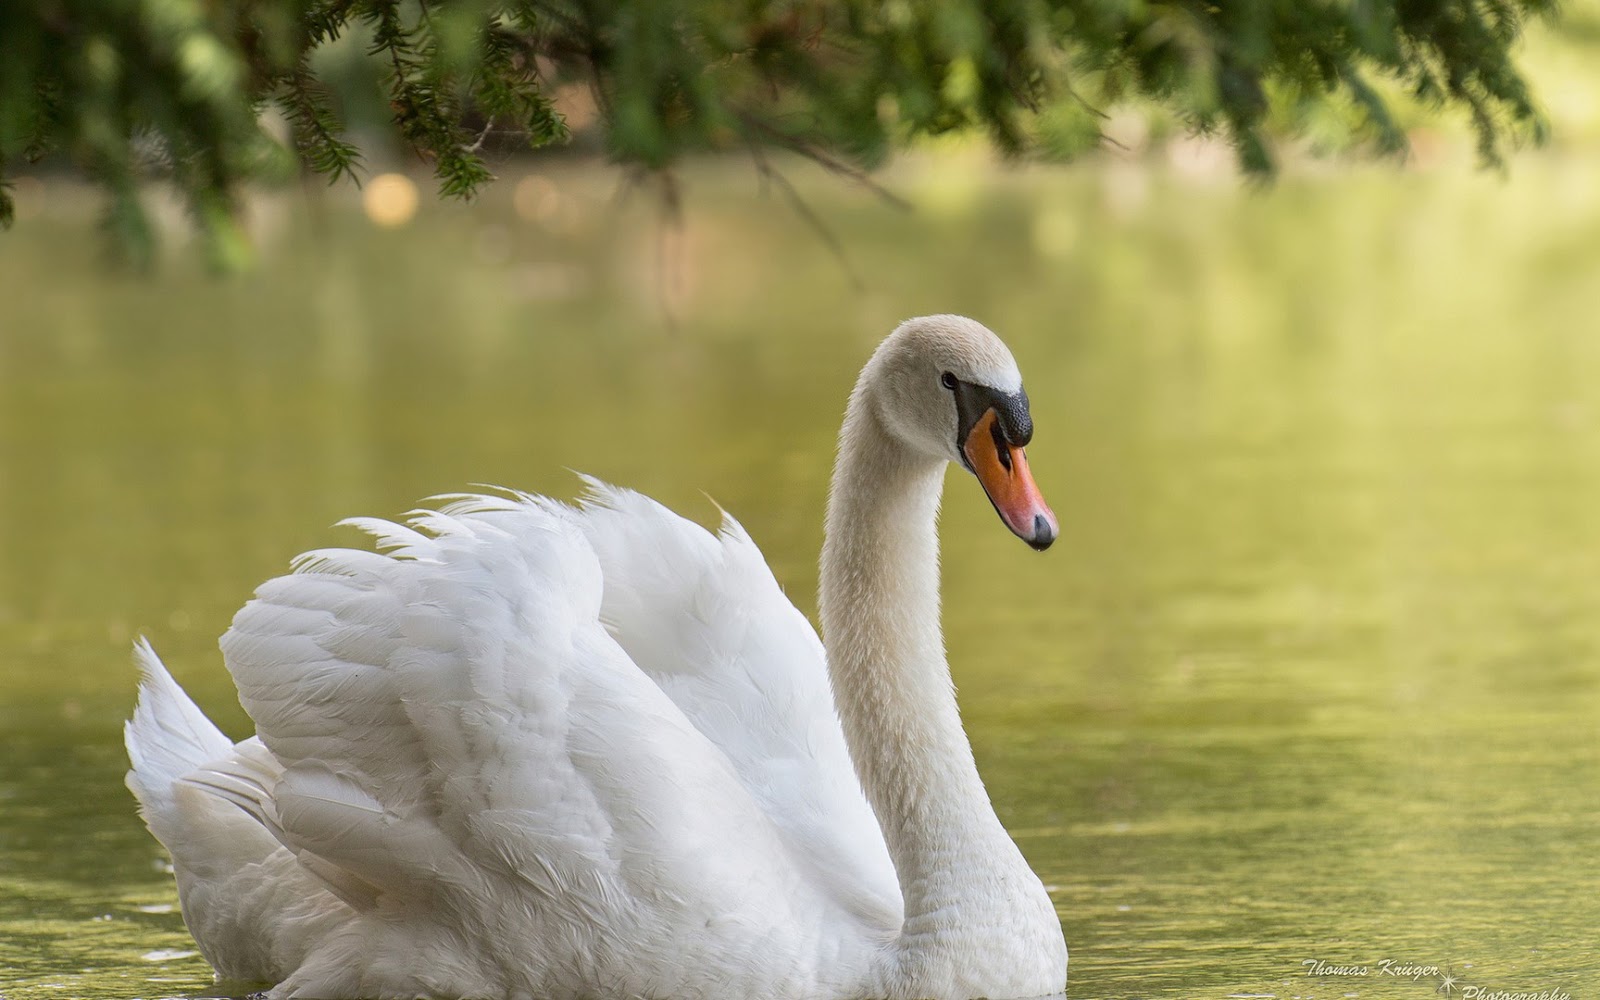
(702, 615)
(451, 717)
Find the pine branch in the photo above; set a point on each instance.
(840, 82)
(318, 134)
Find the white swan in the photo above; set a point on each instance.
(535, 751)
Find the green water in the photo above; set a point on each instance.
(1313, 672)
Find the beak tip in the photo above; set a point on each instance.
(1044, 533)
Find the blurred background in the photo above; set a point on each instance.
(1312, 674)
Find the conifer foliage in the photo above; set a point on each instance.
(129, 88)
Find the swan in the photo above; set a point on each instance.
(533, 750)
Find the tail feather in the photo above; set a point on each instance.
(254, 909)
(247, 779)
(168, 736)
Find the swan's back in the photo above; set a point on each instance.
(542, 750)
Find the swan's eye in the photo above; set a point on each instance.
(948, 381)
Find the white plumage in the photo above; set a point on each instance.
(533, 750)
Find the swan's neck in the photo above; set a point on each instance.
(962, 878)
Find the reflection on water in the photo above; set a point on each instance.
(1312, 674)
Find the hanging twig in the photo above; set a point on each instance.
(823, 158)
(768, 173)
(478, 143)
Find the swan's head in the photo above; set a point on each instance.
(946, 387)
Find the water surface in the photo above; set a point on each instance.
(1312, 674)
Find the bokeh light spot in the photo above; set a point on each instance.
(390, 200)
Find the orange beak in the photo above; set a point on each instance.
(1003, 471)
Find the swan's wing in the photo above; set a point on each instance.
(702, 615)
(453, 722)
